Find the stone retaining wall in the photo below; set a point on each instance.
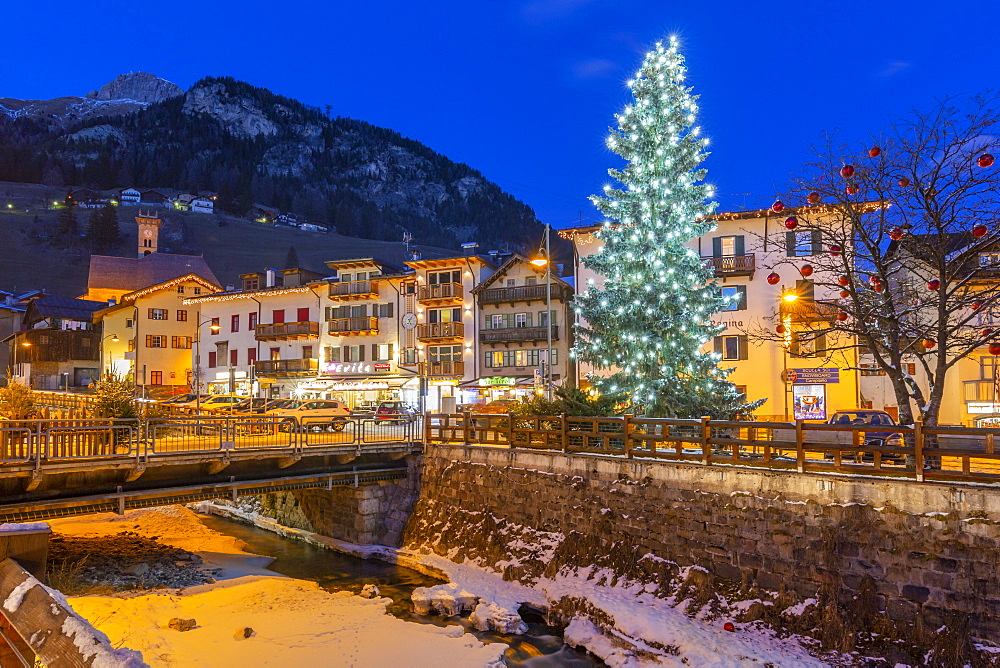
(923, 554)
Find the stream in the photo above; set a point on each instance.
(541, 647)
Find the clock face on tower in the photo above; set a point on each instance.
(147, 233)
(409, 321)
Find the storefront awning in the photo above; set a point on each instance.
(357, 383)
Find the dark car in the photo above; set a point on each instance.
(394, 410)
(251, 406)
(881, 433)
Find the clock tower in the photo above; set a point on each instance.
(149, 232)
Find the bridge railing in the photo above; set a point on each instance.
(915, 452)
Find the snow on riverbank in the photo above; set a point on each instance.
(294, 621)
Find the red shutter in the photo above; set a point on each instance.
(251, 356)
(278, 316)
(234, 357)
(303, 315)
(211, 360)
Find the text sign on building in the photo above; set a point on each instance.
(824, 375)
(496, 380)
(355, 367)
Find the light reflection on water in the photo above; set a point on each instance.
(540, 647)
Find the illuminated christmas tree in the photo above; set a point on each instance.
(647, 323)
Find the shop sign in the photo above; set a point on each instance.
(359, 386)
(354, 367)
(383, 367)
(826, 375)
(496, 380)
(224, 375)
(809, 402)
(443, 383)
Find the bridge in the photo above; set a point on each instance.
(50, 468)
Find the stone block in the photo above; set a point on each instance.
(916, 593)
(901, 610)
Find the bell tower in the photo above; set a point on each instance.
(149, 232)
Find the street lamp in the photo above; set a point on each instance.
(544, 259)
(114, 339)
(26, 344)
(197, 361)
(788, 298)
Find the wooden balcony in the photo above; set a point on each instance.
(353, 326)
(350, 290)
(440, 331)
(293, 367)
(517, 334)
(805, 310)
(430, 369)
(732, 265)
(287, 330)
(440, 294)
(523, 293)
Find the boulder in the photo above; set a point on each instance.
(244, 633)
(179, 624)
(369, 591)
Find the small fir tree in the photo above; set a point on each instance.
(649, 321)
(292, 259)
(103, 232)
(67, 228)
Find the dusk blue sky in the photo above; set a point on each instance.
(525, 90)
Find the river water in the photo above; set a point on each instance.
(540, 647)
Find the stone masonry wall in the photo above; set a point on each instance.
(923, 554)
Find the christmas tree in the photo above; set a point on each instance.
(648, 322)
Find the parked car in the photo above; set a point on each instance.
(251, 406)
(314, 414)
(394, 410)
(879, 420)
(495, 407)
(180, 399)
(216, 403)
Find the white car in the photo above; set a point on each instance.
(315, 414)
(218, 403)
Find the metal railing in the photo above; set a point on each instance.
(439, 291)
(442, 368)
(353, 289)
(440, 330)
(891, 451)
(283, 330)
(353, 325)
(517, 334)
(732, 265)
(522, 293)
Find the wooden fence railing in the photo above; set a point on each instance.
(915, 452)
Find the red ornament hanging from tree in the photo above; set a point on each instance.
(851, 190)
(841, 316)
(844, 280)
(844, 294)
(987, 332)
(874, 152)
(813, 197)
(903, 182)
(780, 329)
(777, 206)
(806, 270)
(773, 278)
(791, 222)
(985, 160)
(847, 171)
(976, 306)
(834, 249)
(929, 343)
(896, 234)
(995, 349)
(979, 231)
(933, 284)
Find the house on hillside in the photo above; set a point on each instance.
(129, 197)
(82, 194)
(263, 214)
(183, 202)
(202, 205)
(290, 219)
(153, 197)
(313, 227)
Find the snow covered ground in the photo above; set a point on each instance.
(294, 622)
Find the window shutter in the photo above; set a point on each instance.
(716, 246)
(346, 356)
(390, 310)
(820, 345)
(817, 242)
(361, 353)
(790, 244)
(741, 305)
(374, 352)
(740, 245)
(390, 351)
(717, 342)
(743, 347)
(329, 312)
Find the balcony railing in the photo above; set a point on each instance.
(442, 368)
(523, 293)
(346, 290)
(291, 367)
(807, 310)
(512, 334)
(441, 291)
(362, 325)
(441, 330)
(287, 330)
(980, 390)
(732, 265)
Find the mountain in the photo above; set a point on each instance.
(252, 146)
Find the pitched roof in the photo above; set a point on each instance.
(514, 259)
(65, 307)
(135, 273)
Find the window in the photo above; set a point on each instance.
(275, 353)
(872, 370)
(307, 352)
(131, 345)
(251, 284)
(278, 317)
(197, 291)
(331, 354)
(156, 341)
(530, 280)
(728, 246)
(520, 319)
(180, 289)
(511, 282)
(381, 352)
(410, 289)
(157, 314)
(302, 315)
(806, 290)
(543, 321)
(988, 367)
(445, 353)
(807, 344)
(409, 356)
(234, 357)
(156, 378)
(358, 311)
(385, 310)
(251, 356)
(441, 277)
(444, 315)
(799, 244)
(991, 260)
(182, 315)
(731, 347)
(735, 296)
(180, 342)
(211, 359)
(354, 353)
(252, 321)
(129, 323)
(234, 323)
(494, 359)
(520, 358)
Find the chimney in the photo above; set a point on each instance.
(269, 280)
(230, 287)
(112, 301)
(470, 248)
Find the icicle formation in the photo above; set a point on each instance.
(651, 317)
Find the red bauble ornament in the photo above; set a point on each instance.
(844, 294)
(773, 278)
(729, 626)
(929, 343)
(933, 284)
(847, 171)
(778, 206)
(987, 332)
(841, 316)
(903, 182)
(874, 152)
(896, 234)
(985, 160)
(995, 349)
(806, 270)
(876, 283)
(791, 222)
(843, 280)
(813, 197)
(878, 287)
(851, 190)
(780, 329)
(979, 231)
(976, 306)
(834, 249)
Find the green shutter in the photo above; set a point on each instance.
(740, 245)
(716, 246)
(717, 342)
(790, 244)
(742, 304)
(817, 242)
(743, 347)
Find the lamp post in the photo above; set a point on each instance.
(788, 298)
(197, 360)
(26, 344)
(114, 339)
(544, 259)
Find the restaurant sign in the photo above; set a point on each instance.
(496, 380)
(354, 367)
